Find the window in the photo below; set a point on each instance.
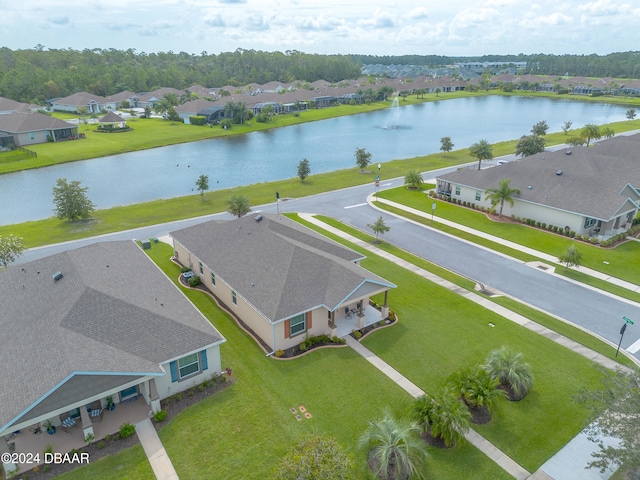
(188, 365)
(213, 279)
(200, 267)
(297, 324)
(478, 195)
(588, 222)
(233, 297)
(457, 189)
(32, 136)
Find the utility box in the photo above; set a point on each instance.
(146, 244)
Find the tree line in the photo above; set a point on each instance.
(37, 74)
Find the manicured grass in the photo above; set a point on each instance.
(130, 464)
(440, 332)
(243, 431)
(623, 260)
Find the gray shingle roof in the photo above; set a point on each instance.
(112, 311)
(591, 182)
(80, 98)
(111, 117)
(279, 266)
(31, 122)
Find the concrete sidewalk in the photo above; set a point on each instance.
(153, 448)
(507, 243)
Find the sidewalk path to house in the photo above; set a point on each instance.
(570, 461)
(544, 256)
(158, 458)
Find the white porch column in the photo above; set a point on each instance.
(87, 424)
(9, 467)
(384, 311)
(153, 395)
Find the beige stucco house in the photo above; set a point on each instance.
(592, 191)
(96, 322)
(27, 128)
(282, 280)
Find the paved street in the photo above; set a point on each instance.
(590, 309)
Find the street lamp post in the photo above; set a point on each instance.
(379, 167)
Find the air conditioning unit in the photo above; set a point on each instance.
(57, 276)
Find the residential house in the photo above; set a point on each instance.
(96, 322)
(32, 128)
(201, 107)
(592, 191)
(114, 102)
(93, 103)
(11, 106)
(282, 280)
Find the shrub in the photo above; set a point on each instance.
(302, 346)
(89, 437)
(160, 416)
(107, 438)
(279, 353)
(126, 430)
(101, 445)
(513, 217)
(543, 225)
(185, 269)
(572, 234)
(593, 240)
(194, 281)
(190, 393)
(198, 120)
(48, 448)
(357, 333)
(538, 224)
(555, 229)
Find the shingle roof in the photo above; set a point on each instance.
(31, 122)
(112, 311)
(277, 265)
(591, 182)
(80, 98)
(7, 105)
(111, 117)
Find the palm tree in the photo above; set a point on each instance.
(501, 194)
(395, 450)
(481, 150)
(238, 205)
(590, 132)
(478, 389)
(443, 415)
(413, 179)
(513, 373)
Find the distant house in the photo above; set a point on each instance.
(282, 280)
(93, 103)
(149, 99)
(114, 102)
(11, 106)
(32, 128)
(592, 191)
(96, 322)
(201, 107)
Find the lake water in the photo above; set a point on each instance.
(398, 132)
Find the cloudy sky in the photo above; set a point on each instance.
(391, 27)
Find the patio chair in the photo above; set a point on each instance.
(347, 313)
(95, 411)
(68, 423)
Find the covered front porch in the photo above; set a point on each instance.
(133, 410)
(345, 322)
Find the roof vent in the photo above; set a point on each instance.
(529, 187)
(258, 218)
(558, 172)
(568, 152)
(57, 276)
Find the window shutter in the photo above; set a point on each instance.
(287, 329)
(203, 359)
(308, 320)
(173, 366)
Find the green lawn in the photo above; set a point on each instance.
(440, 332)
(623, 260)
(243, 431)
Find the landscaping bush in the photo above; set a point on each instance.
(194, 281)
(593, 240)
(160, 416)
(303, 346)
(572, 234)
(126, 430)
(198, 120)
(185, 269)
(543, 226)
(279, 353)
(538, 224)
